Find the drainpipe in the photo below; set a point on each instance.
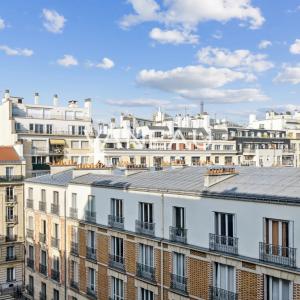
(161, 247)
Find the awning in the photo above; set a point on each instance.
(57, 142)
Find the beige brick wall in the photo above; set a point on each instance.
(131, 290)
(82, 241)
(167, 268)
(82, 275)
(296, 292)
(249, 285)
(130, 256)
(102, 248)
(102, 282)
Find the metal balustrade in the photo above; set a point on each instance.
(30, 263)
(29, 233)
(30, 290)
(178, 234)
(145, 271)
(91, 292)
(55, 275)
(74, 248)
(42, 237)
(74, 284)
(55, 209)
(276, 254)
(73, 213)
(145, 227)
(116, 261)
(29, 203)
(223, 243)
(43, 269)
(216, 293)
(90, 216)
(91, 253)
(54, 242)
(179, 283)
(116, 221)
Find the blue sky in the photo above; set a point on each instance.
(135, 55)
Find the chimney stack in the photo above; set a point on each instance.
(216, 174)
(6, 94)
(88, 106)
(55, 100)
(73, 104)
(36, 98)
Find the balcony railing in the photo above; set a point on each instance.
(146, 272)
(12, 219)
(74, 284)
(30, 263)
(178, 234)
(116, 221)
(42, 237)
(54, 209)
(74, 248)
(73, 213)
(91, 292)
(116, 261)
(29, 203)
(144, 227)
(43, 296)
(90, 216)
(11, 178)
(11, 257)
(179, 283)
(11, 238)
(223, 243)
(220, 294)
(55, 275)
(91, 253)
(30, 290)
(29, 233)
(277, 254)
(11, 198)
(54, 242)
(43, 269)
(42, 206)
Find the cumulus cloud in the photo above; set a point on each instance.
(264, 44)
(295, 47)
(139, 102)
(173, 36)
(2, 24)
(189, 13)
(105, 64)
(241, 59)
(67, 61)
(16, 51)
(289, 74)
(53, 21)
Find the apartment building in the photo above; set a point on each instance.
(12, 174)
(177, 234)
(49, 133)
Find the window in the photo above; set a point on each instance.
(10, 274)
(31, 127)
(74, 200)
(44, 227)
(10, 232)
(74, 271)
(9, 171)
(75, 159)
(145, 294)
(55, 294)
(146, 212)
(72, 130)
(224, 277)
(10, 192)
(117, 207)
(44, 289)
(74, 234)
(30, 282)
(91, 239)
(17, 126)
(143, 160)
(56, 230)
(277, 289)
(178, 264)
(81, 130)
(117, 249)
(178, 217)
(43, 258)
(91, 279)
(146, 255)
(84, 159)
(157, 134)
(55, 198)
(91, 203)
(217, 160)
(55, 263)
(30, 252)
(10, 252)
(75, 144)
(117, 289)
(224, 224)
(38, 128)
(9, 213)
(84, 144)
(43, 196)
(49, 128)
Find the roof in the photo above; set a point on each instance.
(151, 127)
(8, 154)
(191, 129)
(60, 179)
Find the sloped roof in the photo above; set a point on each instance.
(8, 154)
(60, 179)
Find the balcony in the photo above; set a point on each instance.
(74, 248)
(223, 243)
(43, 296)
(55, 275)
(55, 209)
(91, 292)
(11, 257)
(178, 234)
(220, 294)
(43, 269)
(12, 219)
(91, 253)
(29, 203)
(30, 290)
(116, 262)
(144, 227)
(30, 263)
(276, 254)
(29, 233)
(11, 178)
(90, 216)
(54, 242)
(11, 238)
(73, 213)
(43, 238)
(11, 199)
(179, 283)
(116, 221)
(74, 284)
(42, 206)
(145, 272)
(40, 167)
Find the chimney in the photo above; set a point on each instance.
(88, 106)
(36, 98)
(112, 123)
(217, 174)
(6, 94)
(55, 100)
(73, 104)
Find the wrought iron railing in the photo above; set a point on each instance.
(42, 237)
(73, 213)
(116, 221)
(90, 216)
(74, 248)
(91, 253)
(54, 242)
(30, 263)
(216, 293)
(43, 269)
(116, 261)
(54, 209)
(178, 234)
(179, 283)
(144, 227)
(55, 275)
(223, 243)
(29, 203)
(145, 271)
(29, 233)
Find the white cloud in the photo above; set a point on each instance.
(2, 24)
(139, 102)
(173, 36)
(67, 61)
(264, 44)
(53, 21)
(105, 64)
(289, 74)
(189, 13)
(16, 51)
(241, 59)
(295, 48)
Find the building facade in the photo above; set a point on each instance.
(187, 233)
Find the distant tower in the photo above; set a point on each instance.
(202, 107)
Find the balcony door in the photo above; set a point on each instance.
(178, 217)
(146, 212)
(146, 255)
(224, 277)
